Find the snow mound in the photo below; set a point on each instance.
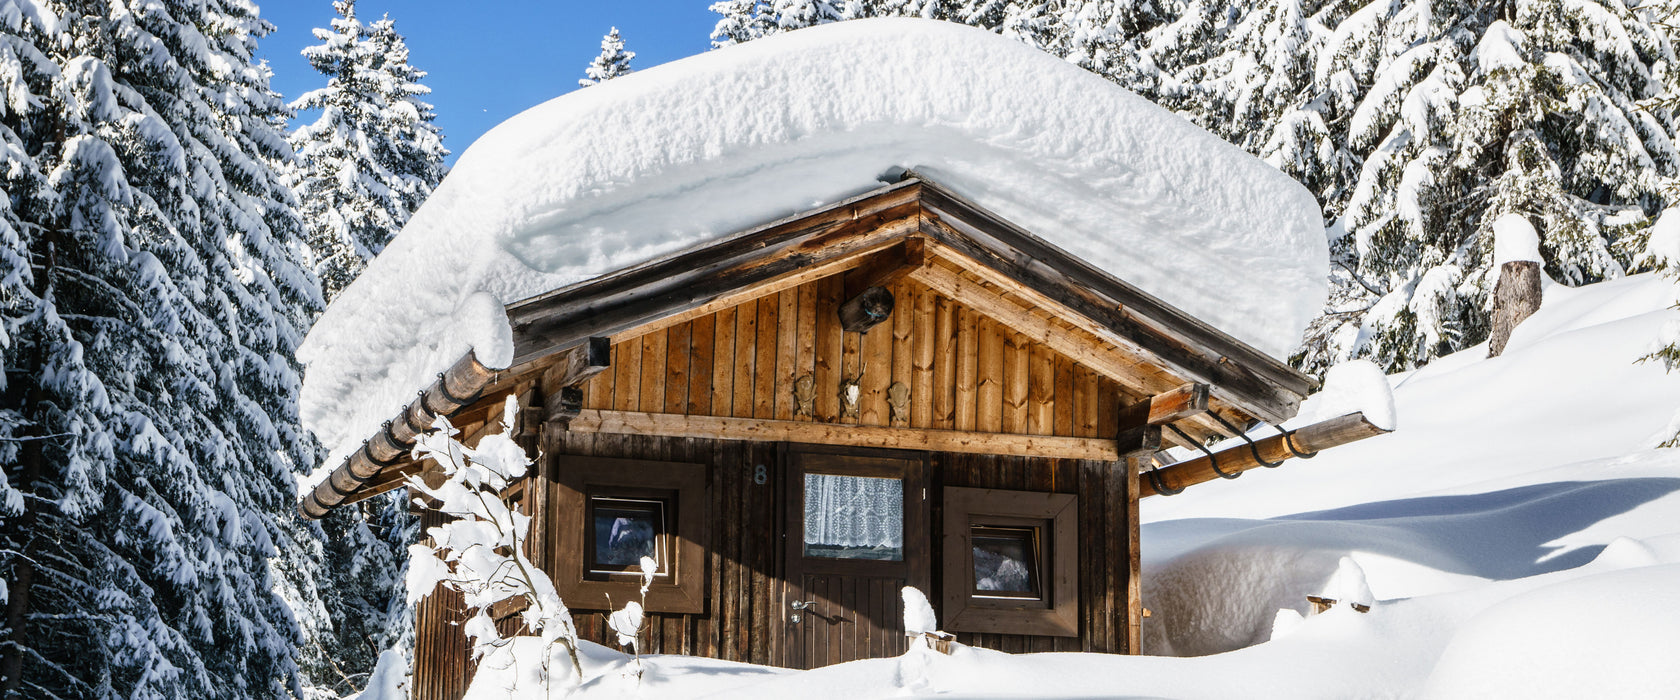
(674, 156)
(390, 678)
(1348, 584)
(918, 613)
(1469, 420)
(1355, 386)
(1612, 635)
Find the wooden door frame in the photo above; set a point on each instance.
(918, 520)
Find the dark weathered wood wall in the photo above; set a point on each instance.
(741, 558)
(1106, 553)
(744, 610)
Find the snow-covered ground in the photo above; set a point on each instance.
(1517, 537)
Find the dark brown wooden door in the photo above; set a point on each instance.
(857, 533)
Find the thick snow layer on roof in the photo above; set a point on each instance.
(664, 159)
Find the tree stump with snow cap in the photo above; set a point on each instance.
(1515, 297)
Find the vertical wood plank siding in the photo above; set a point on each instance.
(962, 369)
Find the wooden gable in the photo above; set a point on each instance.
(941, 362)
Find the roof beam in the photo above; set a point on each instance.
(1140, 423)
(764, 430)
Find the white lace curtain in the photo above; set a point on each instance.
(853, 511)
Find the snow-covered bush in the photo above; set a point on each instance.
(480, 552)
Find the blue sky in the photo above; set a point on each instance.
(491, 60)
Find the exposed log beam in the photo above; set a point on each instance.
(580, 363)
(562, 383)
(1313, 438)
(1176, 405)
(866, 310)
(676, 425)
(453, 390)
(1140, 423)
(1139, 440)
(886, 266)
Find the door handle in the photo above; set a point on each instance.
(799, 607)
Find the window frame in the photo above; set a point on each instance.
(682, 488)
(1036, 536)
(1055, 613)
(663, 547)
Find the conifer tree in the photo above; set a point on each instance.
(363, 167)
(741, 21)
(614, 61)
(372, 156)
(149, 369)
(1539, 108)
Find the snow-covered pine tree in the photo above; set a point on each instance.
(350, 601)
(1661, 248)
(614, 61)
(741, 21)
(54, 432)
(1539, 107)
(153, 369)
(744, 20)
(372, 156)
(363, 167)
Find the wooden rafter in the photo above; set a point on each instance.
(766, 430)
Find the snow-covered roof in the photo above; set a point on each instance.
(613, 175)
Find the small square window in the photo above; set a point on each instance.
(1006, 562)
(605, 514)
(623, 530)
(1011, 562)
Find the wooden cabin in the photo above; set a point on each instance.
(798, 420)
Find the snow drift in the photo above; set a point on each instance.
(681, 154)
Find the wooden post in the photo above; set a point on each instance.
(1134, 564)
(1515, 297)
